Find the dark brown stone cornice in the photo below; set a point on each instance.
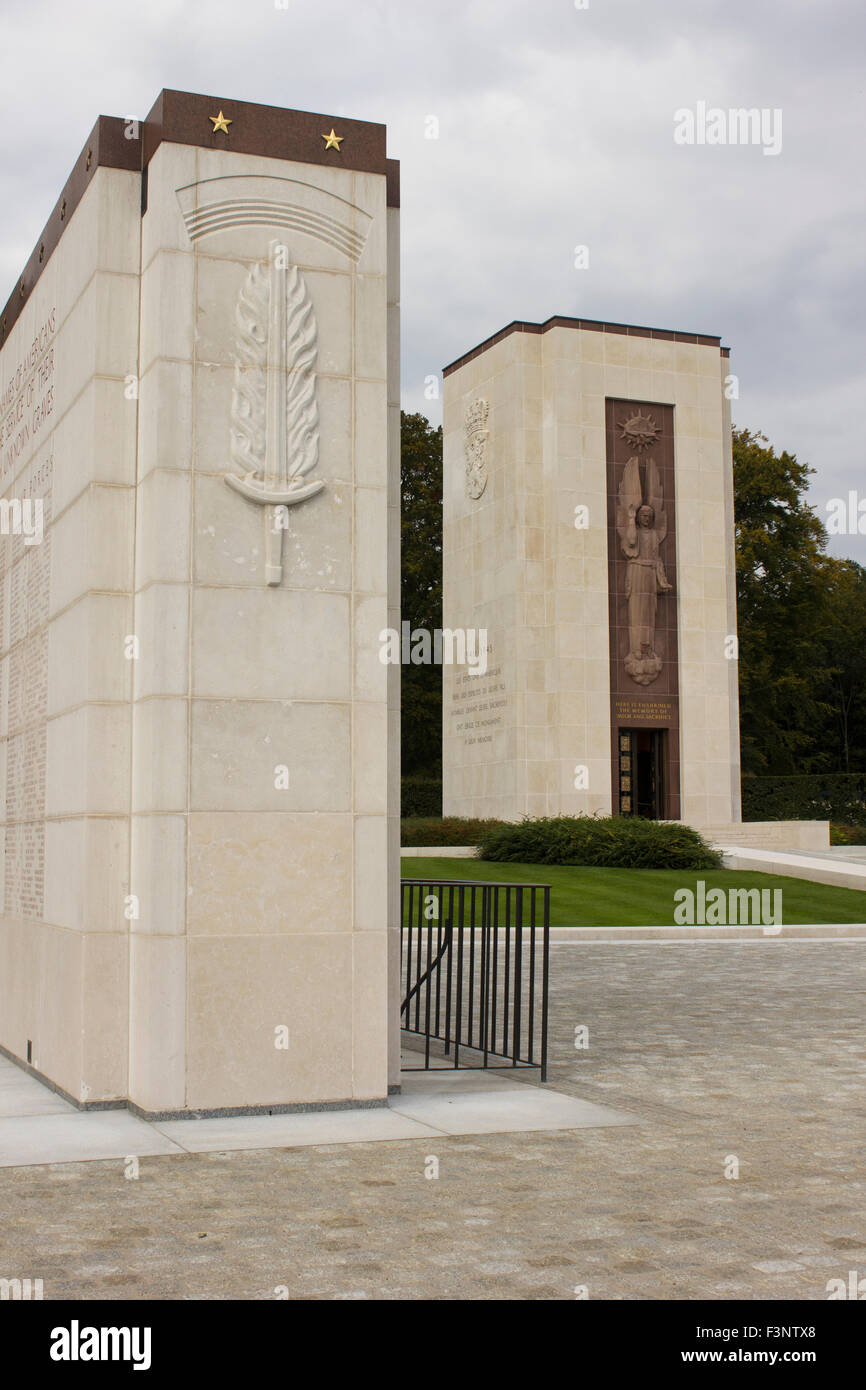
(629, 330)
(274, 132)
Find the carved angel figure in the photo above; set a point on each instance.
(642, 527)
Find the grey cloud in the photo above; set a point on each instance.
(556, 128)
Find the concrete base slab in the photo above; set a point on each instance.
(21, 1094)
(77, 1137)
(290, 1131)
(497, 1106)
(430, 1103)
(442, 1081)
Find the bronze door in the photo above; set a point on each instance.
(641, 773)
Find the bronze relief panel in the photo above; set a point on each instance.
(642, 591)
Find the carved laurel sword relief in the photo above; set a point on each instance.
(274, 415)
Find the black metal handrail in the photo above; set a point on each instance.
(475, 970)
(446, 944)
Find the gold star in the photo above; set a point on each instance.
(220, 122)
(332, 141)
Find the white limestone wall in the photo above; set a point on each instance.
(66, 676)
(493, 572)
(393, 906)
(733, 691)
(577, 374)
(709, 719)
(262, 907)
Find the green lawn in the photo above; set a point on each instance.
(643, 897)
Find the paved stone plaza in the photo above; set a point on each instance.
(754, 1050)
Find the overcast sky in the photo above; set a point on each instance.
(555, 130)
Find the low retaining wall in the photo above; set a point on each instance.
(438, 852)
(770, 834)
(841, 874)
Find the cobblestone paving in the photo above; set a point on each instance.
(752, 1050)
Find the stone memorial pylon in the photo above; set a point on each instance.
(588, 517)
(202, 785)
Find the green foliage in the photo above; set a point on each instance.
(421, 592)
(447, 830)
(421, 796)
(820, 796)
(624, 842)
(848, 834)
(779, 559)
(843, 652)
(801, 618)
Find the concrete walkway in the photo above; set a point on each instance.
(38, 1126)
(636, 936)
(845, 870)
(745, 1062)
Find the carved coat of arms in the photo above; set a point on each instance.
(274, 415)
(475, 442)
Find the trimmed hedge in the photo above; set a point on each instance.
(848, 834)
(836, 796)
(448, 830)
(615, 842)
(421, 796)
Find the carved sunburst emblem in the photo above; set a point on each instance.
(640, 431)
